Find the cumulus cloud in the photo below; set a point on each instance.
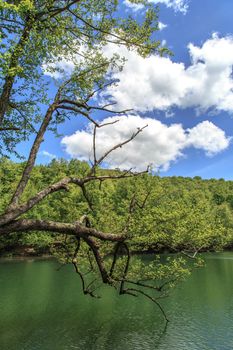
(208, 137)
(158, 144)
(160, 83)
(176, 5)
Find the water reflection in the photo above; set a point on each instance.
(41, 308)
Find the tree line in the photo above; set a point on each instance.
(160, 213)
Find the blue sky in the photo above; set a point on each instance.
(188, 138)
(202, 19)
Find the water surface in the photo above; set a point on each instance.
(41, 308)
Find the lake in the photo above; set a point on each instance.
(42, 308)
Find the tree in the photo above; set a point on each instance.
(40, 33)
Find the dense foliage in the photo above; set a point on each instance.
(172, 213)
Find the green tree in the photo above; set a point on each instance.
(37, 33)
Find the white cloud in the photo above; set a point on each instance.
(163, 42)
(176, 5)
(208, 137)
(48, 155)
(133, 6)
(57, 69)
(159, 83)
(158, 144)
(162, 25)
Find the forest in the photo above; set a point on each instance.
(162, 214)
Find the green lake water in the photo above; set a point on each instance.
(41, 308)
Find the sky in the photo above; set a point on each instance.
(185, 100)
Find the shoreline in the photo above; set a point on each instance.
(48, 256)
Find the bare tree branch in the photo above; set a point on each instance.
(32, 156)
(99, 259)
(148, 296)
(119, 145)
(75, 229)
(78, 111)
(10, 128)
